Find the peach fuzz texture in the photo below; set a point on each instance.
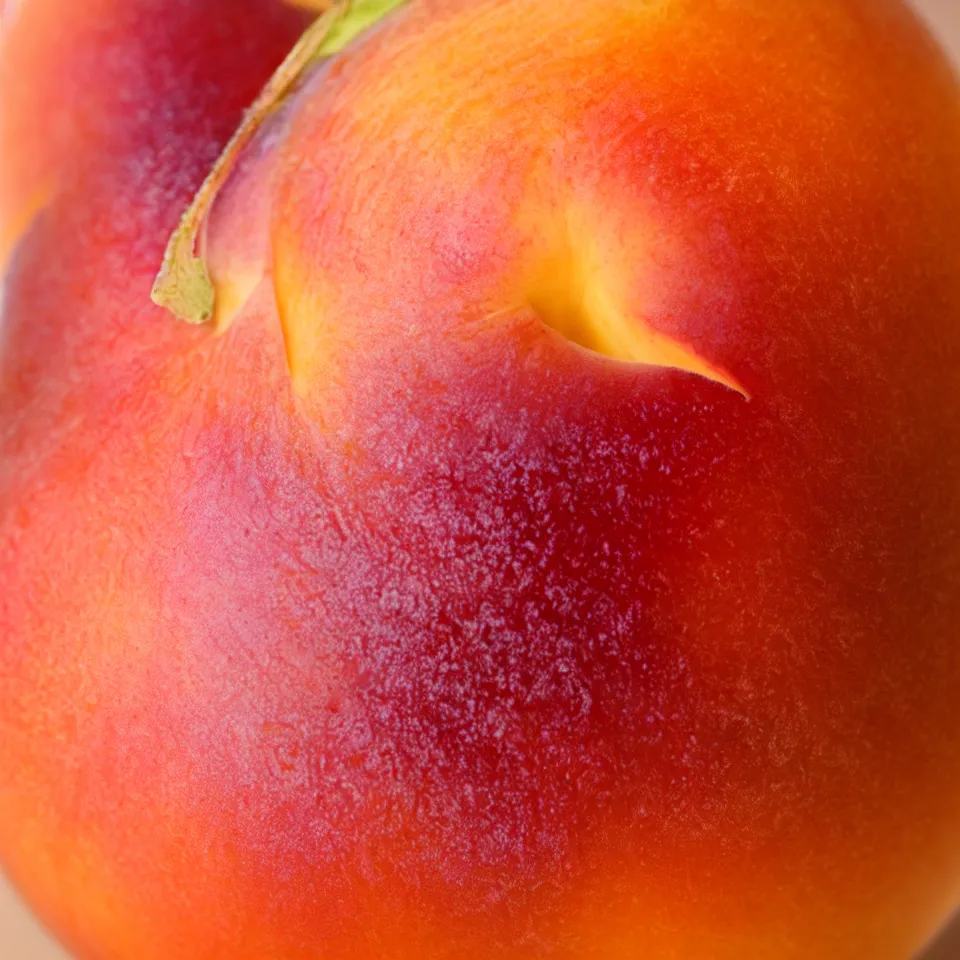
(390, 623)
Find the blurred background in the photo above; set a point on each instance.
(21, 938)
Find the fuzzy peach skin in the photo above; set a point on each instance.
(555, 550)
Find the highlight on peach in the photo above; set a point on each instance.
(479, 478)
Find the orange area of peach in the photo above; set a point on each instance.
(43, 113)
(627, 113)
(317, 5)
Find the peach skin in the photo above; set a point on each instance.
(550, 550)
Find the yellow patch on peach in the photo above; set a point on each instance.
(17, 222)
(577, 281)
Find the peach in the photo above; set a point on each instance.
(552, 549)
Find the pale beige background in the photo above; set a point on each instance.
(21, 938)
